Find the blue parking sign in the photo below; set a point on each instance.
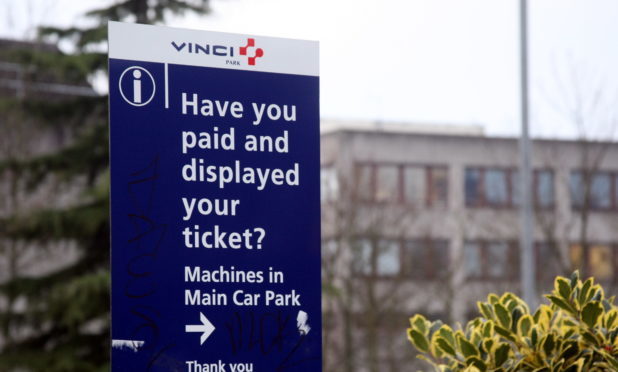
(215, 206)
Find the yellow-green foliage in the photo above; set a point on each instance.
(577, 331)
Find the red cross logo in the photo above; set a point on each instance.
(244, 51)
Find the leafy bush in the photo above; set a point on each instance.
(577, 331)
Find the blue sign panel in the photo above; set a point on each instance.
(215, 201)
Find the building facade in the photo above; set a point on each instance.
(425, 219)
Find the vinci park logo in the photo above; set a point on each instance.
(245, 51)
(250, 51)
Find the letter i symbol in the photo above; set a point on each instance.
(137, 86)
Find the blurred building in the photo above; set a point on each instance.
(20, 78)
(425, 219)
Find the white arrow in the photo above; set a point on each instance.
(206, 328)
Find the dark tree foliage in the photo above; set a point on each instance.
(57, 318)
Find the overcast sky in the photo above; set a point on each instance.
(421, 61)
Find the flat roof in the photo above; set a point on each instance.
(463, 132)
(328, 126)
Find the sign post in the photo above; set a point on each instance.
(214, 142)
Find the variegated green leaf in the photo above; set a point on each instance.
(467, 348)
(501, 354)
(563, 288)
(504, 318)
(445, 346)
(418, 340)
(564, 305)
(591, 313)
(525, 325)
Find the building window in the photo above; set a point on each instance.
(425, 185)
(418, 185)
(438, 186)
(473, 260)
(415, 185)
(387, 183)
(597, 260)
(473, 187)
(379, 258)
(490, 187)
(600, 262)
(363, 185)
(426, 258)
(600, 191)
(494, 260)
(576, 254)
(496, 187)
(387, 258)
(594, 190)
(329, 184)
(499, 187)
(544, 186)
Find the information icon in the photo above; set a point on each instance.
(137, 86)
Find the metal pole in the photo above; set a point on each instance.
(527, 262)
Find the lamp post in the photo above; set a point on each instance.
(527, 261)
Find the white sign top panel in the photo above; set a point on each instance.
(212, 49)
